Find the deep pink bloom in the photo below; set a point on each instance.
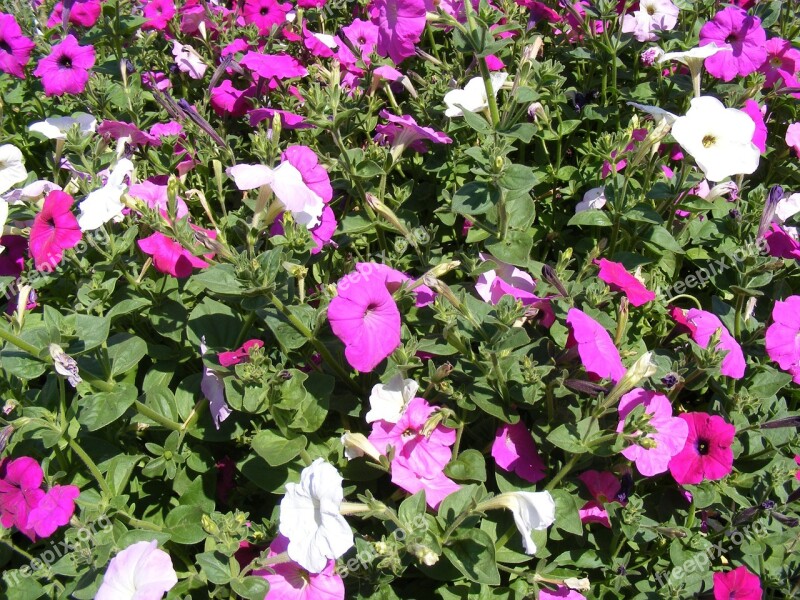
(279, 66)
(437, 486)
(319, 45)
(161, 130)
(234, 357)
(158, 14)
(733, 28)
(12, 260)
(15, 48)
(737, 584)
(783, 336)
(54, 510)
(119, 129)
(311, 3)
(265, 14)
(364, 316)
(508, 280)
(54, 230)
(83, 12)
(229, 100)
(598, 353)
(20, 492)
(403, 132)
(290, 581)
(66, 69)
(156, 79)
(539, 11)
(169, 256)
(707, 454)
(780, 244)
(323, 233)
(619, 280)
(305, 160)
(797, 461)
(637, 135)
(576, 20)
(753, 110)
(288, 119)
(514, 450)
(562, 592)
(400, 24)
(363, 35)
(705, 325)
(603, 488)
(667, 440)
(792, 137)
(782, 64)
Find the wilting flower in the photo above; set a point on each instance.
(356, 445)
(15, 48)
(104, 204)
(400, 26)
(720, 139)
(737, 584)
(140, 571)
(598, 353)
(707, 454)
(12, 167)
(65, 365)
(56, 128)
(781, 337)
(603, 488)
(658, 436)
(387, 402)
(653, 16)
(54, 230)
(188, 60)
(403, 132)
(473, 96)
(66, 69)
(704, 325)
(214, 390)
(733, 28)
(310, 517)
(514, 450)
(618, 279)
(533, 511)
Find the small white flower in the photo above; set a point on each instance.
(56, 128)
(12, 167)
(311, 520)
(31, 192)
(595, 198)
(652, 17)
(473, 96)
(188, 60)
(103, 205)
(532, 511)
(694, 56)
(788, 206)
(139, 571)
(357, 445)
(387, 402)
(659, 114)
(720, 139)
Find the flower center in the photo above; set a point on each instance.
(362, 40)
(730, 39)
(409, 433)
(65, 62)
(702, 447)
(775, 62)
(709, 140)
(651, 10)
(264, 11)
(5, 47)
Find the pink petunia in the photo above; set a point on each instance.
(733, 28)
(155, 196)
(170, 257)
(707, 454)
(663, 436)
(314, 175)
(278, 66)
(15, 48)
(140, 571)
(66, 69)
(54, 230)
(393, 279)
(265, 14)
(54, 510)
(234, 357)
(753, 110)
(604, 488)
(400, 24)
(705, 325)
(363, 35)
(782, 64)
(792, 137)
(229, 100)
(319, 44)
(598, 353)
(562, 592)
(737, 584)
(20, 492)
(82, 12)
(158, 14)
(437, 486)
(619, 280)
(782, 336)
(288, 119)
(188, 60)
(403, 132)
(364, 316)
(116, 130)
(508, 280)
(780, 243)
(514, 450)
(289, 581)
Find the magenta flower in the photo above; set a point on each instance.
(598, 353)
(400, 24)
(288, 119)
(54, 510)
(707, 454)
(116, 130)
(659, 436)
(158, 14)
(704, 325)
(229, 100)
(403, 132)
(20, 492)
(437, 486)
(66, 69)
(733, 28)
(619, 280)
(15, 48)
(242, 354)
(364, 316)
(265, 14)
(508, 280)
(604, 488)
(737, 584)
(393, 279)
(782, 336)
(363, 35)
(792, 137)
(290, 581)
(780, 243)
(82, 12)
(319, 44)
(782, 63)
(562, 592)
(170, 257)
(54, 230)
(514, 450)
(753, 110)
(278, 66)
(314, 175)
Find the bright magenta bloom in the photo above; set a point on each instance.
(158, 14)
(365, 317)
(226, 99)
(234, 357)
(603, 488)
(15, 48)
(704, 325)
(290, 581)
(737, 584)
(54, 230)
(170, 257)
(83, 12)
(792, 137)
(733, 28)
(403, 132)
(782, 336)
(278, 66)
(54, 510)
(598, 353)
(66, 70)
(782, 64)
(393, 279)
(562, 592)
(400, 23)
(618, 279)
(265, 14)
(707, 453)
(753, 110)
(514, 450)
(780, 244)
(667, 440)
(508, 280)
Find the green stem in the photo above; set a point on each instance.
(148, 412)
(129, 520)
(563, 472)
(90, 464)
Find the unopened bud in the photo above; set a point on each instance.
(356, 445)
(209, 526)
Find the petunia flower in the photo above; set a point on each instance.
(388, 402)
(290, 581)
(265, 14)
(508, 280)
(12, 167)
(437, 485)
(319, 44)
(158, 14)
(562, 592)
(533, 511)
(733, 28)
(393, 279)
(787, 207)
(473, 96)
(604, 488)
(188, 60)
(652, 16)
(754, 111)
(782, 242)
(234, 357)
(170, 257)
(20, 492)
(618, 279)
(782, 64)
(213, 389)
(403, 132)
(155, 197)
(54, 510)
(81, 12)
(694, 59)
(66, 69)
(596, 349)
(514, 450)
(400, 26)
(104, 204)
(707, 454)
(56, 128)
(54, 230)
(289, 120)
(720, 139)
(229, 100)
(139, 572)
(792, 137)
(782, 335)
(737, 584)
(15, 48)
(594, 199)
(310, 519)
(704, 325)
(662, 437)
(277, 66)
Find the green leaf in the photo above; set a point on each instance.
(103, 408)
(91, 331)
(277, 450)
(215, 567)
(660, 237)
(251, 587)
(565, 437)
(125, 352)
(220, 279)
(477, 122)
(183, 523)
(470, 465)
(368, 169)
(454, 504)
(411, 508)
(214, 321)
(567, 516)
(472, 552)
(475, 198)
(768, 382)
(593, 217)
(518, 177)
(515, 248)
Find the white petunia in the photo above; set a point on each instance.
(652, 17)
(595, 198)
(12, 167)
(473, 96)
(659, 114)
(533, 511)
(387, 402)
(139, 572)
(311, 520)
(694, 56)
(31, 192)
(188, 60)
(788, 206)
(56, 128)
(720, 139)
(103, 205)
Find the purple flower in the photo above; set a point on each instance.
(400, 23)
(403, 132)
(66, 69)
(733, 28)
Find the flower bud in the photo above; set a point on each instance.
(356, 444)
(65, 365)
(638, 372)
